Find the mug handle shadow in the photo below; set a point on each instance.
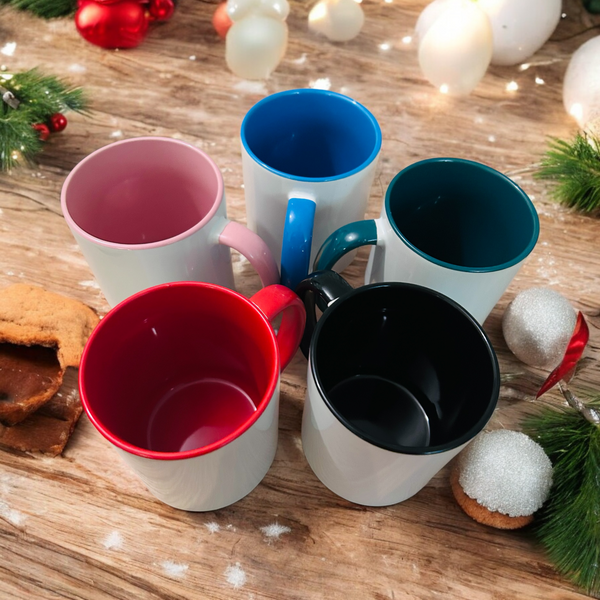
(297, 241)
(343, 240)
(319, 290)
(274, 300)
(253, 247)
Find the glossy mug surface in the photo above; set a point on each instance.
(453, 225)
(309, 158)
(400, 379)
(151, 210)
(183, 380)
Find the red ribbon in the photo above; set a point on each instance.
(577, 343)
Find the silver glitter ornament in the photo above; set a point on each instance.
(507, 472)
(537, 327)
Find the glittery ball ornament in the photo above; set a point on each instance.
(507, 472)
(537, 327)
(337, 20)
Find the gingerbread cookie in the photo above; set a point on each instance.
(41, 334)
(29, 377)
(48, 429)
(30, 315)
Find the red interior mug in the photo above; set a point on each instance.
(183, 380)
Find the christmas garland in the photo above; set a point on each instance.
(569, 523)
(31, 107)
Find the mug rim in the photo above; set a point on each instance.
(490, 269)
(219, 196)
(208, 448)
(315, 92)
(397, 448)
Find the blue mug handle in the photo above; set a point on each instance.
(343, 240)
(297, 241)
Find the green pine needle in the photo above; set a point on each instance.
(43, 95)
(19, 142)
(569, 522)
(47, 9)
(40, 97)
(575, 168)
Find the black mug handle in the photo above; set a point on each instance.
(320, 289)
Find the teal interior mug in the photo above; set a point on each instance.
(453, 225)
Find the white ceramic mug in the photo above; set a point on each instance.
(400, 379)
(453, 225)
(150, 210)
(309, 157)
(183, 380)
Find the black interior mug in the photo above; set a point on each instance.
(401, 368)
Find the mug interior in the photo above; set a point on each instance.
(180, 368)
(462, 214)
(142, 191)
(405, 368)
(311, 134)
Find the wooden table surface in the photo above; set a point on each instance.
(81, 525)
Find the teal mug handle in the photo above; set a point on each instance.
(343, 240)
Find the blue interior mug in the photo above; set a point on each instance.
(309, 158)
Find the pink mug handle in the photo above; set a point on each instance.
(253, 247)
(272, 301)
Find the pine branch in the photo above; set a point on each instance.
(47, 9)
(40, 97)
(19, 141)
(43, 95)
(569, 523)
(575, 169)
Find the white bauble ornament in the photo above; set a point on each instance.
(520, 27)
(538, 325)
(240, 9)
(255, 46)
(337, 20)
(581, 84)
(506, 472)
(428, 17)
(455, 45)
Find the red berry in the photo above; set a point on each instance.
(43, 131)
(57, 122)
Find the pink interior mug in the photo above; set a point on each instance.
(183, 380)
(151, 210)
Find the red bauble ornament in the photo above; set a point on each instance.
(43, 131)
(221, 21)
(161, 10)
(57, 122)
(112, 23)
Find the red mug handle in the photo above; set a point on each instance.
(275, 299)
